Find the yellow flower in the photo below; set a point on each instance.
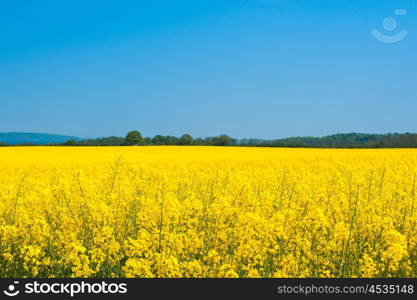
(207, 212)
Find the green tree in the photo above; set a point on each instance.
(134, 138)
(225, 140)
(71, 142)
(185, 139)
(148, 141)
(159, 140)
(172, 140)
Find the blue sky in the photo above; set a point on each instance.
(248, 68)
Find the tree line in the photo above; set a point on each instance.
(346, 140)
(135, 138)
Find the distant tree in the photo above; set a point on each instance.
(159, 140)
(200, 141)
(134, 138)
(104, 141)
(185, 139)
(70, 143)
(3, 144)
(225, 140)
(171, 140)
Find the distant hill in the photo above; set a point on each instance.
(342, 140)
(15, 138)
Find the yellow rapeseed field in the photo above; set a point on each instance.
(207, 212)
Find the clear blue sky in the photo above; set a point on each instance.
(248, 68)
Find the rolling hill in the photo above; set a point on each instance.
(16, 138)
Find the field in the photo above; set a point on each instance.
(207, 212)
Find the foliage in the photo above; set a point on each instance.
(106, 141)
(185, 139)
(134, 138)
(349, 140)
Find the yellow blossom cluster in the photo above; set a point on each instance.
(207, 212)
